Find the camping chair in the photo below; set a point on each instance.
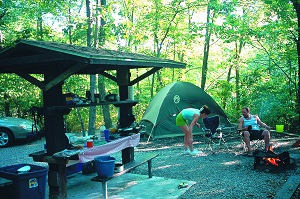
(256, 143)
(211, 125)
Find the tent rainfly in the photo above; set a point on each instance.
(159, 117)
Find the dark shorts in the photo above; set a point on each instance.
(256, 134)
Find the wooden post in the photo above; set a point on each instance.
(57, 181)
(123, 77)
(55, 138)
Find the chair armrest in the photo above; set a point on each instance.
(240, 131)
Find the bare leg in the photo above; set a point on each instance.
(188, 138)
(267, 136)
(185, 129)
(191, 142)
(247, 139)
(185, 143)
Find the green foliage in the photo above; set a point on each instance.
(269, 94)
(19, 95)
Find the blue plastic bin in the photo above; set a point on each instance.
(105, 166)
(29, 185)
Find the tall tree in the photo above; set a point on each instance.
(208, 32)
(92, 113)
(101, 79)
(297, 9)
(163, 21)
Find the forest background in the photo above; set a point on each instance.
(242, 53)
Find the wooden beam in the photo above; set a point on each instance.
(60, 78)
(33, 59)
(136, 80)
(32, 80)
(109, 76)
(143, 76)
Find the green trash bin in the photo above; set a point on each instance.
(26, 185)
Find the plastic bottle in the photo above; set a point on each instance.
(106, 135)
(101, 133)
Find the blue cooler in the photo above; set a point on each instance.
(26, 185)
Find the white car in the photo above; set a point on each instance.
(12, 129)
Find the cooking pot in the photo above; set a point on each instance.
(125, 131)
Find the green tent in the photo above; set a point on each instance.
(159, 117)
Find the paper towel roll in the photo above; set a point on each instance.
(130, 93)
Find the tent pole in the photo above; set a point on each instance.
(150, 134)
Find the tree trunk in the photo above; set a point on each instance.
(89, 23)
(206, 48)
(238, 47)
(97, 25)
(101, 79)
(102, 23)
(159, 44)
(39, 28)
(105, 108)
(237, 87)
(78, 113)
(297, 8)
(69, 26)
(92, 113)
(224, 100)
(152, 86)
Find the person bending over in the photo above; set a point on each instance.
(191, 115)
(249, 124)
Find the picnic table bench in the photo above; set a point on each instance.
(127, 168)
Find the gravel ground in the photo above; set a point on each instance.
(19, 153)
(226, 173)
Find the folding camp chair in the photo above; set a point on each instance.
(258, 143)
(212, 128)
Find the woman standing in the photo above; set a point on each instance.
(182, 119)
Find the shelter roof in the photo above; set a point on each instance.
(60, 61)
(38, 57)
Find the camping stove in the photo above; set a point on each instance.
(270, 161)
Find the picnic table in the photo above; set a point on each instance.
(87, 154)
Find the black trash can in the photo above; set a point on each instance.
(26, 185)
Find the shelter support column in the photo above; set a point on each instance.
(123, 77)
(55, 138)
(57, 181)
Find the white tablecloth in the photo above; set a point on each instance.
(109, 148)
